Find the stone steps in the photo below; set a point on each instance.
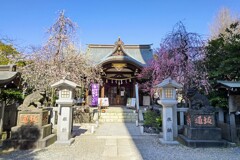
(120, 115)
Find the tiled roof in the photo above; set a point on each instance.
(7, 77)
(7, 74)
(228, 84)
(139, 53)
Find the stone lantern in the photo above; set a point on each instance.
(168, 100)
(65, 111)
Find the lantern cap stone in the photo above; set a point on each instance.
(169, 83)
(65, 82)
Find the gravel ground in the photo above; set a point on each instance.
(145, 147)
(133, 147)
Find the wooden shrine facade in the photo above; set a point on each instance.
(121, 64)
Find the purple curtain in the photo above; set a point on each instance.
(95, 94)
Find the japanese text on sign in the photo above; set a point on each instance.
(95, 94)
(203, 120)
(29, 118)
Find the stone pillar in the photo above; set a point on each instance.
(168, 100)
(167, 123)
(182, 118)
(65, 119)
(137, 97)
(2, 117)
(53, 118)
(64, 124)
(233, 127)
(175, 126)
(220, 115)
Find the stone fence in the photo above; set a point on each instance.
(181, 118)
(230, 125)
(228, 122)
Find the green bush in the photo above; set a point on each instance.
(11, 96)
(152, 119)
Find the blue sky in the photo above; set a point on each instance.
(102, 21)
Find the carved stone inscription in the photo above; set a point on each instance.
(39, 118)
(201, 120)
(29, 119)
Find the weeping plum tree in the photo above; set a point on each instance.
(59, 58)
(61, 35)
(180, 56)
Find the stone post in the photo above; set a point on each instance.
(175, 126)
(53, 118)
(64, 123)
(137, 97)
(169, 113)
(233, 127)
(181, 113)
(65, 110)
(167, 123)
(2, 117)
(181, 118)
(220, 115)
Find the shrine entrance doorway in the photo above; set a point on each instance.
(118, 94)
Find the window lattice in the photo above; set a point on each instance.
(65, 93)
(168, 93)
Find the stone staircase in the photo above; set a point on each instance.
(117, 115)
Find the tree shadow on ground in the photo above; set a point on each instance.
(19, 154)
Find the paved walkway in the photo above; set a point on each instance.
(119, 141)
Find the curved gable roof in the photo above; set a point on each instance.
(139, 54)
(8, 75)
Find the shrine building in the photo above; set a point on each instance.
(121, 63)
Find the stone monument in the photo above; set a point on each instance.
(168, 100)
(33, 129)
(65, 110)
(201, 130)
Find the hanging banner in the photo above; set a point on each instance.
(95, 94)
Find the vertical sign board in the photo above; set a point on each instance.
(95, 94)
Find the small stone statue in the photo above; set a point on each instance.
(33, 100)
(198, 102)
